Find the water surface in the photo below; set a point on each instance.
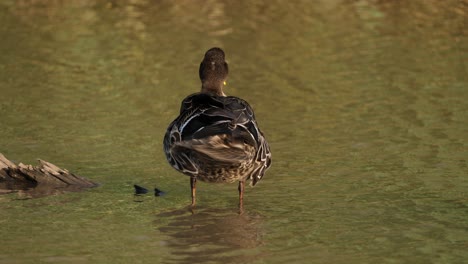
(363, 103)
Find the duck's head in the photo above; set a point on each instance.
(213, 72)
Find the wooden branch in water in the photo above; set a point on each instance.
(37, 181)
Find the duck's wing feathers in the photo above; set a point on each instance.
(205, 115)
(222, 128)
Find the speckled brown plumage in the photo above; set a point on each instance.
(216, 137)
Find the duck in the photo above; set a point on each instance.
(216, 137)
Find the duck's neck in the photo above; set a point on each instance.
(213, 88)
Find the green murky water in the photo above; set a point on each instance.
(364, 104)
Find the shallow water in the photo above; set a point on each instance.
(363, 103)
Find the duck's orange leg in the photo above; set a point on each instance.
(193, 183)
(241, 194)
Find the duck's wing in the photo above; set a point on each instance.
(204, 115)
(222, 128)
(251, 134)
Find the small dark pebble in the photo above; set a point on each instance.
(140, 190)
(158, 192)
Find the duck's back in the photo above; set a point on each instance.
(216, 138)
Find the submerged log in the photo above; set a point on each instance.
(38, 181)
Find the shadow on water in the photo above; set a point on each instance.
(211, 234)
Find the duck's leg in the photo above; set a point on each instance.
(193, 183)
(241, 194)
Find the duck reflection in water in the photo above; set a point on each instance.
(212, 235)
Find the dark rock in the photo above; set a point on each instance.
(140, 190)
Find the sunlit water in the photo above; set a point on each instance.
(364, 104)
